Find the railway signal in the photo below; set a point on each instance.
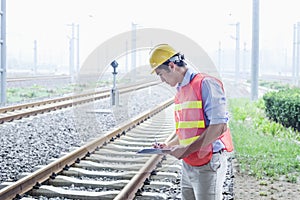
(114, 91)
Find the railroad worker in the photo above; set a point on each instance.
(202, 136)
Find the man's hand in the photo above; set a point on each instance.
(159, 145)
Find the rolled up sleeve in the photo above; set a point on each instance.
(214, 100)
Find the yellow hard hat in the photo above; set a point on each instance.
(160, 54)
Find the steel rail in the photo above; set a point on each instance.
(27, 183)
(28, 109)
(129, 191)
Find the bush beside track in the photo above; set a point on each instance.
(284, 107)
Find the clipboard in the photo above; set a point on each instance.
(153, 151)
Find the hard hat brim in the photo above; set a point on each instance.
(153, 70)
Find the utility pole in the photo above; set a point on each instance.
(35, 57)
(71, 56)
(255, 50)
(297, 55)
(219, 57)
(3, 52)
(294, 54)
(126, 57)
(237, 51)
(78, 61)
(133, 47)
(244, 68)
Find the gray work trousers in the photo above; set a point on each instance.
(204, 182)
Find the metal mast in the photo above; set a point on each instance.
(71, 56)
(3, 52)
(297, 55)
(34, 57)
(255, 50)
(133, 47)
(237, 52)
(77, 51)
(294, 54)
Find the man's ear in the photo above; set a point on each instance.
(172, 66)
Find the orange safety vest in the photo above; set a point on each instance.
(190, 122)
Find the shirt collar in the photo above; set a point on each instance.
(189, 75)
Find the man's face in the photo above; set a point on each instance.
(166, 76)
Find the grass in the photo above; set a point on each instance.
(23, 94)
(263, 148)
(274, 85)
(35, 92)
(17, 95)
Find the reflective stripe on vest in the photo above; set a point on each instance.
(188, 104)
(188, 141)
(190, 124)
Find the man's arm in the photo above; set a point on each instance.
(207, 137)
(173, 142)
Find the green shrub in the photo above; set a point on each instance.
(284, 107)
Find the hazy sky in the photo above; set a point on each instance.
(205, 21)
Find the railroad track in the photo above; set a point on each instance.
(11, 113)
(109, 167)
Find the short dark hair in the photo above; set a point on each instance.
(178, 59)
(164, 66)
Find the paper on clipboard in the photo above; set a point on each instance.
(153, 151)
